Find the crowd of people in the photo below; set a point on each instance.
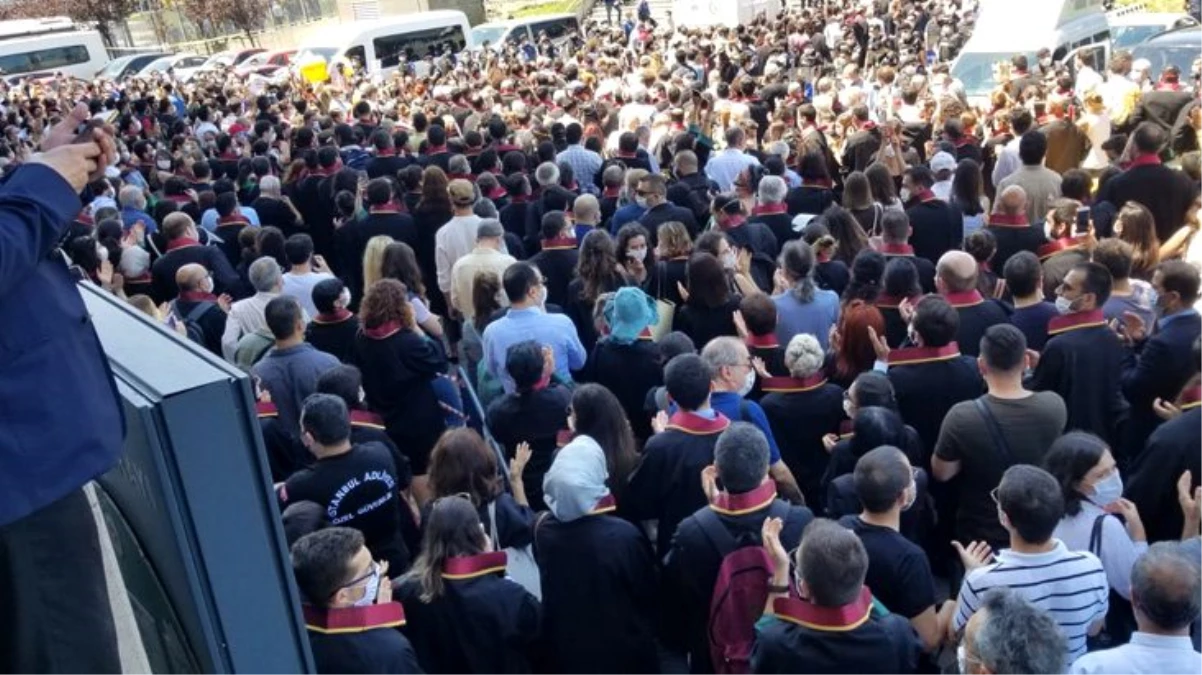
(790, 358)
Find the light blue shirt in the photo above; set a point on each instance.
(208, 219)
(584, 162)
(1146, 653)
(531, 323)
(816, 317)
(726, 166)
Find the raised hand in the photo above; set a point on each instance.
(977, 554)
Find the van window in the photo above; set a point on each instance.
(358, 55)
(43, 59)
(556, 29)
(413, 45)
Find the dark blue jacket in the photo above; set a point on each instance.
(1157, 370)
(60, 421)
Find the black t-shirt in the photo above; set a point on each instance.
(357, 489)
(899, 574)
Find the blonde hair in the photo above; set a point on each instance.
(373, 259)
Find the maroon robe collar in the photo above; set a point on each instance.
(1146, 159)
(232, 220)
(182, 242)
(922, 196)
(559, 244)
(896, 249)
(472, 566)
(793, 385)
(963, 299)
(384, 330)
(1057, 245)
(1076, 320)
(691, 423)
(1191, 397)
(745, 502)
(366, 418)
(733, 223)
(266, 409)
(497, 193)
(768, 341)
(828, 619)
(770, 209)
(336, 620)
(337, 316)
(915, 355)
(611, 193)
(1008, 220)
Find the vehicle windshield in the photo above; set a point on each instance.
(976, 70)
(315, 53)
(158, 65)
(489, 34)
(1124, 37)
(1181, 55)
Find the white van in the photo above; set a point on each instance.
(30, 47)
(382, 45)
(497, 34)
(1005, 28)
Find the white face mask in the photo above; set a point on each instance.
(729, 259)
(849, 409)
(1064, 305)
(904, 195)
(372, 589)
(961, 659)
(748, 383)
(913, 496)
(641, 201)
(542, 297)
(639, 254)
(345, 298)
(1108, 490)
(164, 164)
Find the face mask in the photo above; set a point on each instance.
(1045, 62)
(961, 659)
(372, 589)
(639, 254)
(345, 298)
(912, 336)
(849, 409)
(913, 497)
(641, 201)
(729, 260)
(542, 296)
(748, 383)
(164, 164)
(1064, 305)
(904, 194)
(1108, 490)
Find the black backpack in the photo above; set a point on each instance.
(191, 321)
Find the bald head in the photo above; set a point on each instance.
(586, 209)
(957, 272)
(1013, 201)
(192, 277)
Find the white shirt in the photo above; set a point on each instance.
(1087, 79)
(453, 241)
(300, 286)
(1146, 653)
(942, 189)
(1008, 161)
(1118, 553)
(463, 277)
(726, 166)
(247, 316)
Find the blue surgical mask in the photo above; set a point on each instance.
(1108, 490)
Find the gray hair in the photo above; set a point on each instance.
(459, 164)
(804, 356)
(485, 208)
(264, 274)
(547, 173)
(833, 563)
(772, 190)
(1165, 586)
(741, 456)
(724, 351)
(1017, 637)
(269, 185)
(780, 149)
(797, 262)
(132, 197)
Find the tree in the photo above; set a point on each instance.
(106, 15)
(244, 15)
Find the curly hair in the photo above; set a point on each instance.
(386, 301)
(804, 356)
(598, 264)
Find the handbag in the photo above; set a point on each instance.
(520, 565)
(665, 309)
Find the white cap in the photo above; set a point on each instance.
(943, 162)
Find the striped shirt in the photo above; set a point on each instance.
(1070, 585)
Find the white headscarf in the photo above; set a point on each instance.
(576, 480)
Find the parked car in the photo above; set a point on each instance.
(127, 65)
(230, 57)
(180, 66)
(265, 63)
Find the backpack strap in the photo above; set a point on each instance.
(715, 531)
(1095, 536)
(198, 311)
(995, 430)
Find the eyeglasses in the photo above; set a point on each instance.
(993, 496)
(373, 570)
